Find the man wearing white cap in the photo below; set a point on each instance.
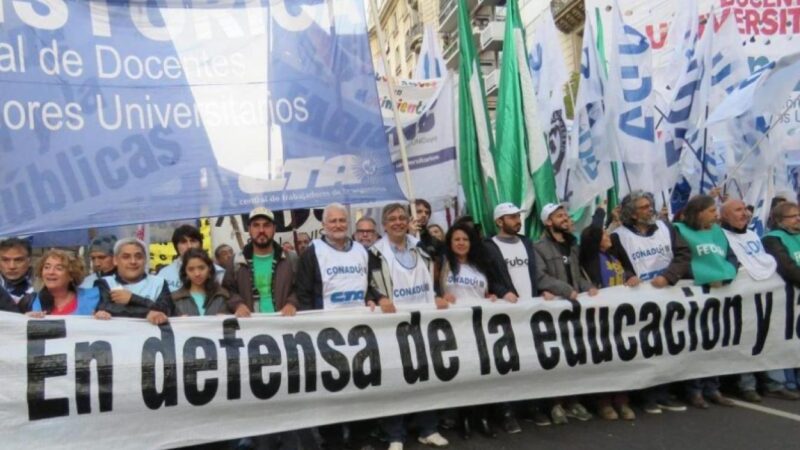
(511, 257)
(558, 271)
(557, 256)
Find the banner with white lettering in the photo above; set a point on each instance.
(122, 112)
(128, 384)
(425, 109)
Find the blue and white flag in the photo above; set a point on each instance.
(681, 40)
(757, 93)
(129, 112)
(590, 171)
(430, 62)
(630, 95)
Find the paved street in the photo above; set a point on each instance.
(776, 426)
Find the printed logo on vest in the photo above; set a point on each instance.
(346, 270)
(752, 247)
(347, 296)
(709, 249)
(660, 250)
(412, 291)
(516, 262)
(465, 281)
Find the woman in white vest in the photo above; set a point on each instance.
(402, 272)
(462, 275)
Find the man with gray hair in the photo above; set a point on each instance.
(403, 273)
(131, 291)
(366, 232)
(333, 271)
(101, 253)
(647, 247)
(654, 251)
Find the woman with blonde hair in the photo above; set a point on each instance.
(61, 274)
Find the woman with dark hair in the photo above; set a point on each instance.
(200, 294)
(463, 272)
(713, 263)
(463, 280)
(604, 270)
(61, 273)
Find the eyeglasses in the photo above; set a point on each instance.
(791, 216)
(365, 231)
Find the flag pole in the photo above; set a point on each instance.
(401, 137)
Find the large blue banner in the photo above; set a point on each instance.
(115, 112)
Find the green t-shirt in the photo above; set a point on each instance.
(262, 271)
(199, 300)
(709, 251)
(790, 241)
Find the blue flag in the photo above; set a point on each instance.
(115, 112)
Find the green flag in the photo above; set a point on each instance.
(524, 171)
(476, 143)
(613, 192)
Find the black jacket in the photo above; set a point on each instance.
(7, 303)
(787, 268)
(499, 279)
(183, 303)
(138, 306)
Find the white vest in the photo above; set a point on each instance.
(517, 263)
(649, 255)
(149, 287)
(343, 274)
(410, 286)
(748, 249)
(469, 287)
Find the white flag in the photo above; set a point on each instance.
(589, 170)
(549, 74)
(430, 63)
(629, 97)
(758, 92)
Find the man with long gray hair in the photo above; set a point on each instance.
(654, 251)
(650, 248)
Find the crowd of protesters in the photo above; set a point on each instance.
(416, 263)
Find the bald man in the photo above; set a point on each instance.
(746, 244)
(759, 264)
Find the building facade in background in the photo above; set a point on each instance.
(403, 21)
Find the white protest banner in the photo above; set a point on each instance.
(128, 384)
(426, 114)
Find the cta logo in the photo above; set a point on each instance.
(347, 296)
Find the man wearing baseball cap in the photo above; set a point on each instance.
(557, 255)
(559, 273)
(511, 256)
(262, 272)
(512, 277)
